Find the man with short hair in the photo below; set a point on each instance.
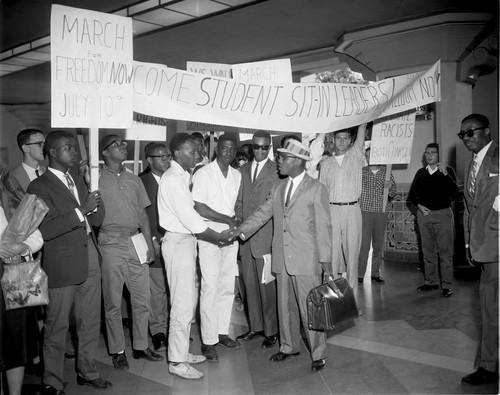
(341, 173)
(126, 200)
(257, 179)
(30, 142)
(215, 189)
(481, 237)
(158, 158)
(433, 191)
(301, 248)
(183, 226)
(71, 261)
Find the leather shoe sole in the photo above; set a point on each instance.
(269, 341)
(447, 292)
(281, 356)
(318, 365)
(98, 383)
(480, 376)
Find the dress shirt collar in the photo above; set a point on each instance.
(430, 170)
(481, 154)
(31, 171)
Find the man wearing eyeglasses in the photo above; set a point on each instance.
(158, 158)
(481, 237)
(432, 192)
(257, 179)
(127, 199)
(30, 142)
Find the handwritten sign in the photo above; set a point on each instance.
(213, 69)
(307, 108)
(147, 128)
(392, 139)
(279, 70)
(91, 68)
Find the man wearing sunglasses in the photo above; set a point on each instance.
(257, 179)
(158, 158)
(30, 142)
(127, 199)
(481, 237)
(433, 191)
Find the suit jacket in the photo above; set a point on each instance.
(21, 176)
(302, 236)
(151, 187)
(65, 254)
(480, 219)
(252, 195)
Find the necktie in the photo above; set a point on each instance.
(255, 172)
(289, 193)
(473, 175)
(37, 173)
(71, 184)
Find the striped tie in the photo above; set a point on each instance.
(473, 174)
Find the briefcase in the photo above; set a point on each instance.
(330, 304)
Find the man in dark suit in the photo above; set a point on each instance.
(302, 248)
(71, 261)
(158, 158)
(481, 237)
(257, 179)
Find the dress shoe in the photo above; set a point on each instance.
(209, 352)
(159, 342)
(317, 365)
(270, 341)
(360, 280)
(281, 356)
(447, 292)
(120, 361)
(69, 356)
(184, 371)
(98, 383)
(195, 359)
(427, 287)
(250, 335)
(378, 279)
(49, 390)
(480, 376)
(147, 354)
(228, 343)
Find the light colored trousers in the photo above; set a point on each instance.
(120, 265)
(179, 255)
(218, 271)
(346, 241)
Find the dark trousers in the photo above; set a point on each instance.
(86, 298)
(260, 298)
(373, 233)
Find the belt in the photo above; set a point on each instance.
(122, 234)
(343, 204)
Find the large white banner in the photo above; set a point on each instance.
(278, 70)
(307, 108)
(91, 68)
(392, 139)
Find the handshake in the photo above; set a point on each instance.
(228, 236)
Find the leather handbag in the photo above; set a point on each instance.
(330, 304)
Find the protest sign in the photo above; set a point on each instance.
(91, 64)
(392, 139)
(213, 69)
(307, 108)
(147, 128)
(279, 70)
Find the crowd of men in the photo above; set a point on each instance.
(311, 215)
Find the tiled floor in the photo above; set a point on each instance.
(404, 343)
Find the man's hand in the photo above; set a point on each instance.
(92, 202)
(84, 171)
(157, 247)
(424, 210)
(150, 255)
(442, 168)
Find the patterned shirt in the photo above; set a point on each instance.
(372, 191)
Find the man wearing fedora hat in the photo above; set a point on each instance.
(301, 247)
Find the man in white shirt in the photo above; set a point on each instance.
(215, 189)
(183, 225)
(30, 142)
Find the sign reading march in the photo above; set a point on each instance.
(91, 68)
(392, 139)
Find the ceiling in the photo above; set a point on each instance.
(263, 30)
